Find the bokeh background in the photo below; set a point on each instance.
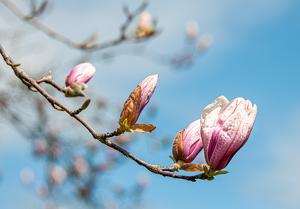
(254, 55)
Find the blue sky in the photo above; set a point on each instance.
(254, 56)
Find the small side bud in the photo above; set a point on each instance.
(85, 104)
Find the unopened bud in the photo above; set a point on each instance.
(134, 105)
(188, 143)
(85, 104)
(192, 29)
(81, 73)
(145, 26)
(205, 41)
(57, 174)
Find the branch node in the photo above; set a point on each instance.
(83, 107)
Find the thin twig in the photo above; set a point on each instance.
(103, 138)
(88, 45)
(49, 80)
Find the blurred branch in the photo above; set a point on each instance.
(103, 138)
(34, 11)
(89, 44)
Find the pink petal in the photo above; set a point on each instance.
(148, 86)
(81, 73)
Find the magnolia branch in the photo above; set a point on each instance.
(103, 138)
(89, 44)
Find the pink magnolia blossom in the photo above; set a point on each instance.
(188, 143)
(81, 73)
(226, 127)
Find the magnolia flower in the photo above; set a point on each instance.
(135, 103)
(226, 127)
(188, 143)
(81, 73)
(191, 29)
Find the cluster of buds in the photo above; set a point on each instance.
(77, 79)
(224, 127)
(223, 130)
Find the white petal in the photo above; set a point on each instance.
(219, 102)
(235, 105)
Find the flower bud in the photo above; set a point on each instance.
(187, 144)
(136, 102)
(81, 73)
(40, 146)
(81, 166)
(145, 20)
(145, 26)
(192, 29)
(27, 176)
(225, 129)
(57, 174)
(42, 189)
(205, 41)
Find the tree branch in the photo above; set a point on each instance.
(103, 138)
(89, 44)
